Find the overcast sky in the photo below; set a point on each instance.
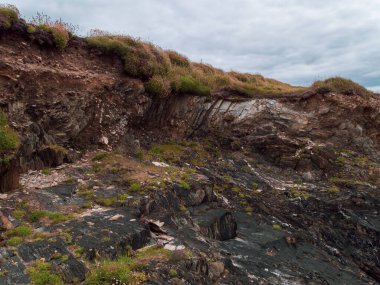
(296, 41)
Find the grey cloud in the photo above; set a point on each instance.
(296, 41)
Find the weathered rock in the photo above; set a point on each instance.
(12, 269)
(218, 224)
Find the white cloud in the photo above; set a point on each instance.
(296, 41)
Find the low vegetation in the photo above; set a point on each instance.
(168, 72)
(41, 273)
(9, 139)
(9, 14)
(340, 85)
(125, 269)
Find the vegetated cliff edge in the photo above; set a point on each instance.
(305, 143)
(81, 97)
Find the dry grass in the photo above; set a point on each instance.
(340, 85)
(168, 72)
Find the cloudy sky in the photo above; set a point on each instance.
(296, 41)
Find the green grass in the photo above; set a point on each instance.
(184, 185)
(158, 86)
(140, 59)
(55, 218)
(46, 171)
(340, 85)
(277, 227)
(41, 274)
(295, 193)
(22, 231)
(135, 187)
(18, 214)
(190, 85)
(333, 189)
(15, 241)
(120, 269)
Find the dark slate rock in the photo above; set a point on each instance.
(218, 224)
(12, 267)
(51, 250)
(101, 237)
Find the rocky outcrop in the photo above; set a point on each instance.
(218, 224)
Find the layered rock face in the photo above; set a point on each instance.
(262, 190)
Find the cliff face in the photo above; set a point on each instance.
(295, 177)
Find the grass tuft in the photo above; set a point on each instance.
(41, 274)
(340, 85)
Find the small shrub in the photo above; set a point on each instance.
(46, 171)
(178, 59)
(340, 85)
(182, 208)
(61, 31)
(41, 274)
(106, 271)
(9, 139)
(158, 86)
(277, 227)
(184, 185)
(18, 214)
(9, 14)
(295, 193)
(22, 231)
(248, 210)
(134, 187)
(173, 273)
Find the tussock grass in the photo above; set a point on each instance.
(9, 14)
(340, 85)
(9, 139)
(167, 72)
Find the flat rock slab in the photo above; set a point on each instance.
(100, 234)
(52, 250)
(12, 269)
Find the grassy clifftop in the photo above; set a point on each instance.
(166, 72)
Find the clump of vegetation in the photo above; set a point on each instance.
(18, 214)
(9, 14)
(334, 189)
(46, 171)
(340, 85)
(184, 185)
(277, 227)
(61, 31)
(135, 187)
(158, 86)
(120, 269)
(173, 273)
(190, 85)
(100, 156)
(55, 218)
(296, 193)
(15, 241)
(22, 231)
(168, 72)
(248, 210)
(140, 59)
(57, 148)
(9, 139)
(182, 208)
(178, 59)
(41, 274)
